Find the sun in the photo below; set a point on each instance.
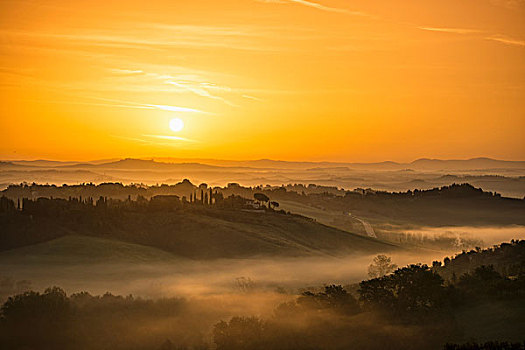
(176, 124)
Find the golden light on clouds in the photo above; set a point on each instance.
(287, 79)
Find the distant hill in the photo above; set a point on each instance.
(508, 177)
(15, 166)
(140, 164)
(467, 164)
(419, 164)
(42, 163)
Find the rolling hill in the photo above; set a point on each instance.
(201, 233)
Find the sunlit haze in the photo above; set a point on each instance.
(284, 79)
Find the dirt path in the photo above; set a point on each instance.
(368, 228)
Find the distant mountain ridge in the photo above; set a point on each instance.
(480, 163)
(505, 177)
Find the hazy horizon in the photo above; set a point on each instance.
(294, 160)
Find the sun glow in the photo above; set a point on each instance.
(176, 124)
(322, 79)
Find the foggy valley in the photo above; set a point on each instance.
(185, 257)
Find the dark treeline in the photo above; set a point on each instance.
(507, 259)
(186, 188)
(120, 191)
(53, 320)
(457, 204)
(411, 308)
(487, 346)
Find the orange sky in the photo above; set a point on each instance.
(362, 80)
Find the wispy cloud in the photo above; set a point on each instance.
(451, 30)
(249, 97)
(126, 71)
(496, 37)
(203, 30)
(163, 39)
(170, 137)
(506, 40)
(151, 140)
(175, 108)
(510, 4)
(316, 6)
(112, 105)
(201, 91)
(190, 83)
(126, 104)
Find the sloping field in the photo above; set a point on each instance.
(199, 234)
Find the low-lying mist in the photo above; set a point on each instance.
(193, 278)
(485, 236)
(171, 276)
(275, 302)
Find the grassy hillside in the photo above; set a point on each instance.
(222, 233)
(76, 249)
(86, 263)
(200, 233)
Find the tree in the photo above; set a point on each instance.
(245, 284)
(484, 281)
(37, 321)
(167, 345)
(381, 265)
(334, 297)
(261, 197)
(241, 333)
(409, 291)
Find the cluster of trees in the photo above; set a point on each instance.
(411, 308)
(193, 193)
(54, 320)
(454, 204)
(411, 295)
(457, 204)
(186, 188)
(113, 190)
(201, 196)
(408, 293)
(492, 345)
(44, 206)
(506, 258)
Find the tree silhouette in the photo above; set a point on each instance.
(409, 291)
(261, 197)
(241, 333)
(381, 265)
